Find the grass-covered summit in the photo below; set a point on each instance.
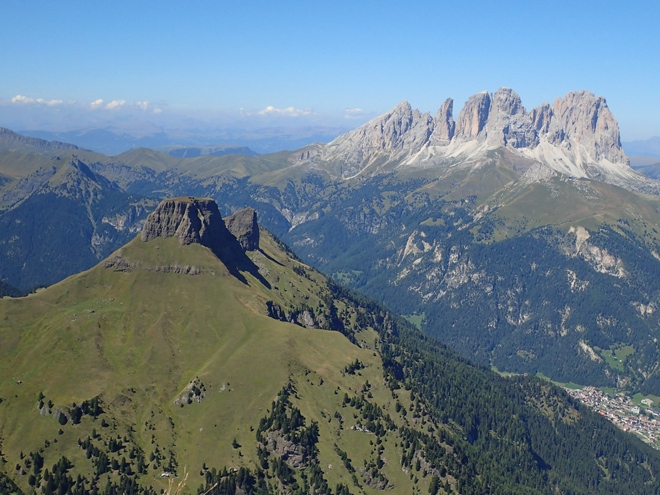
(256, 374)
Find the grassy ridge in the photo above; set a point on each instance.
(137, 338)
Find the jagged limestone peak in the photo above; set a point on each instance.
(474, 115)
(444, 123)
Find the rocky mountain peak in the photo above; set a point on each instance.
(587, 120)
(191, 220)
(508, 123)
(243, 225)
(401, 130)
(400, 127)
(474, 115)
(507, 101)
(444, 124)
(402, 108)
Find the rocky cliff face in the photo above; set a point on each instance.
(474, 116)
(580, 118)
(402, 128)
(191, 220)
(588, 121)
(243, 225)
(198, 221)
(577, 136)
(444, 124)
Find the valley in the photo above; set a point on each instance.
(622, 412)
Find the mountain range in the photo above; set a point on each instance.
(576, 136)
(523, 239)
(120, 136)
(648, 147)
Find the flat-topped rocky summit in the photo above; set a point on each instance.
(198, 221)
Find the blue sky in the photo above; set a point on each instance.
(317, 63)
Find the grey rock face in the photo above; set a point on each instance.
(444, 124)
(400, 129)
(546, 124)
(473, 116)
(587, 120)
(191, 220)
(508, 123)
(243, 225)
(507, 102)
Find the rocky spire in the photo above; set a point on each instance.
(546, 124)
(243, 225)
(508, 123)
(506, 101)
(444, 124)
(474, 115)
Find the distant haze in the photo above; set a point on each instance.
(112, 140)
(648, 147)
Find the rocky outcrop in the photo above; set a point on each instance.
(293, 454)
(198, 221)
(444, 124)
(474, 115)
(588, 121)
(243, 225)
(195, 391)
(545, 124)
(119, 263)
(508, 123)
(191, 220)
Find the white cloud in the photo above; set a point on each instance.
(115, 104)
(24, 100)
(354, 113)
(147, 106)
(96, 105)
(286, 112)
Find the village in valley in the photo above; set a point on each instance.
(623, 412)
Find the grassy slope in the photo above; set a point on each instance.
(520, 206)
(138, 338)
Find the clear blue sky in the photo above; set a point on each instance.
(318, 59)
